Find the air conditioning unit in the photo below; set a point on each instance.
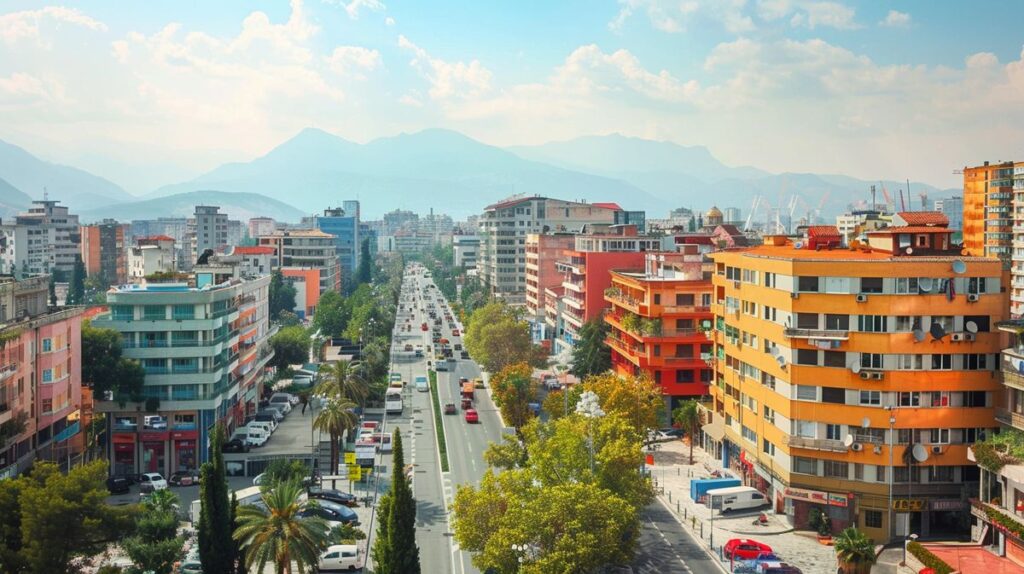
(878, 449)
(970, 337)
(865, 375)
(856, 447)
(794, 295)
(878, 376)
(936, 450)
(957, 337)
(972, 297)
(862, 298)
(736, 284)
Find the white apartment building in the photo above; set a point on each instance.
(151, 255)
(465, 250)
(42, 240)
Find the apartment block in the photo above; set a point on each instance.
(505, 225)
(45, 239)
(308, 257)
(343, 223)
(40, 376)
(149, 255)
(989, 211)
(103, 250)
(854, 379)
(542, 255)
(465, 248)
(659, 320)
(208, 229)
(204, 347)
(261, 226)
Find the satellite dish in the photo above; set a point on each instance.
(798, 245)
(910, 251)
(919, 453)
(919, 335)
(925, 284)
(959, 267)
(865, 423)
(937, 331)
(971, 327)
(781, 360)
(855, 368)
(848, 440)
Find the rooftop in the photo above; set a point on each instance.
(297, 233)
(896, 229)
(788, 251)
(923, 217)
(253, 250)
(156, 238)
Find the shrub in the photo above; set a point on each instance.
(928, 559)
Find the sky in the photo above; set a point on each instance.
(156, 92)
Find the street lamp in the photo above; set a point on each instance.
(892, 426)
(590, 407)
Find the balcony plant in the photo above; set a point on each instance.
(998, 450)
(631, 322)
(650, 327)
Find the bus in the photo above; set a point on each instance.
(393, 400)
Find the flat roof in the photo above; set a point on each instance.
(845, 254)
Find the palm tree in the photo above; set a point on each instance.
(855, 551)
(335, 419)
(278, 535)
(344, 380)
(161, 501)
(687, 416)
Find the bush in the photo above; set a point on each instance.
(818, 521)
(928, 559)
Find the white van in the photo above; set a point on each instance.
(253, 435)
(262, 425)
(736, 498)
(340, 557)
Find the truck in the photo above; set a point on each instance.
(468, 390)
(700, 487)
(736, 498)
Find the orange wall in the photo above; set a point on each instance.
(312, 280)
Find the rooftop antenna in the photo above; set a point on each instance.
(903, 206)
(873, 198)
(46, 194)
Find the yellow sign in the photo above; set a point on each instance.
(908, 504)
(355, 472)
(350, 458)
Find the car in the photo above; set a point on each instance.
(117, 485)
(191, 566)
(776, 567)
(449, 408)
(183, 478)
(472, 416)
(744, 548)
(150, 481)
(465, 354)
(340, 557)
(235, 445)
(455, 332)
(335, 514)
(342, 498)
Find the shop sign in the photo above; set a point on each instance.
(123, 447)
(818, 497)
(154, 436)
(947, 505)
(355, 472)
(185, 435)
(908, 505)
(350, 458)
(124, 438)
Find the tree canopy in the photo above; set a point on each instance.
(106, 369)
(496, 338)
(590, 355)
(291, 346)
(513, 389)
(281, 296)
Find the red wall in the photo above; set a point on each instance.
(599, 278)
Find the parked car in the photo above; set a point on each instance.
(183, 478)
(334, 514)
(191, 566)
(270, 410)
(150, 481)
(472, 416)
(235, 445)
(342, 498)
(778, 568)
(340, 557)
(280, 398)
(117, 485)
(744, 548)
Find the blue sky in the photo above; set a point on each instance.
(156, 92)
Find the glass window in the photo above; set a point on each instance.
(836, 469)
(806, 357)
(834, 432)
(835, 359)
(805, 465)
(47, 375)
(871, 285)
(942, 362)
(806, 393)
(834, 395)
(872, 518)
(872, 398)
(47, 345)
(872, 323)
(871, 360)
(910, 399)
(807, 284)
(837, 322)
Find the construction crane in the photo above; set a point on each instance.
(753, 209)
(889, 204)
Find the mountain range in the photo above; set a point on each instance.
(446, 171)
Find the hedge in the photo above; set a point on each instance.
(928, 559)
(442, 445)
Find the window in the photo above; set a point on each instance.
(47, 345)
(879, 473)
(684, 299)
(835, 359)
(806, 393)
(657, 298)
(769, 414)
(871, 285)
(980, 321)
(749, 435)
(837, 322)
(805, 465)
(807, 284)
(939, 436)
(940, 474)
(871, 360)
(769, 279)
(904, 324)
(47, 375)
(911, 399)
(806, 357)
(806, 320)
(768, 447)
(872, 519)
(871, 398)
(770, 313)
(834, 432)
(942, 362)
(836, 469)
(975, 399)
(834, 395)
(975, 362)
(910, 362)
(805, 429)
(47, 405)
(858, 471)
(907, 285)
(872, 323)
(976, 285)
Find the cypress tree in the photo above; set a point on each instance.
(363, 272)
(239, 554)
(395, 551)
(76, 291)
(216, 547)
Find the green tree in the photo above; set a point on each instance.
(238, 554)
(363, 274)
(76, 290)
(590, 355)
(556, 404)
(291, 346)
(215, 543)
(162, 501)
(514, 389)
(156, 545)
(855, 550)
(282, 470)
(281, 296)
(331, 315)
(344, 380)
(497, 338)
(687, 416)
(106, 370)
(395, 550)
(336, 418)
(278, 535)
(637, 399)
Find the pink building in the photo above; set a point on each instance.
(543, 251)
(40, 375)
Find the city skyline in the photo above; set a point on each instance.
(157, 96)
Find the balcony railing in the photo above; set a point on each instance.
(824, 444)
(1010, 418)
(836, 334)
(685, 309)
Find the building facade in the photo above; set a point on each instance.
(204, 347)
(854, 379)
(989, 210)
(103, 251)
(659, 320)
(154, 254)
(40, 376)
(261, 226)
(543, 252)
(45, 239)
(343, 223)
(208, 229)
(465, 248)
(309, 258)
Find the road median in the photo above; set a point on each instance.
(435, 401)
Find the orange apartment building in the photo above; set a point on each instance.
(832, 364)
(542, 253)
(988, 209)
(103, 251)
(659, 321)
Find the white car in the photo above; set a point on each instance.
(340, 557)
(151, 481)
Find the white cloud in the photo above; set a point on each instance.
(673, 15)
(389, 21)
(411, 101)
(825, 14)
(349, 59)
(896, 19)
(353, 7)
(26, 24)
(25, 89)
(448, 80)
(732, 52)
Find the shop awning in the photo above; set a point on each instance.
(716, 428)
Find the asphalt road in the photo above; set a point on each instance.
(664, 546)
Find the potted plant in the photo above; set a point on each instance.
(819, 521)
(855, 552)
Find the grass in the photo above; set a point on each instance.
(442, 446)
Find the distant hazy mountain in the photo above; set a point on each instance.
(12, 200)
(435, 168)
(241, 206)
(71, 186)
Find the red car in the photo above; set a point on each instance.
(471, 416)
(455, 332)
(745, 549)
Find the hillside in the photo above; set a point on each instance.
(241, 206)
(73, 187)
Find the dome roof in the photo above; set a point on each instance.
(713, 212)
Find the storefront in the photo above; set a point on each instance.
(800, 501)
(154, 446)
(124, 454)
(184, 443)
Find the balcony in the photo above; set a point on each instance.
(1010, 418)
(828, 334)
(626, 302)
(681, 309)
(822, 444)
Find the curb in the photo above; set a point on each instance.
(700, 541)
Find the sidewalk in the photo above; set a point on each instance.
(672, 474)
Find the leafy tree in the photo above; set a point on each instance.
(291, 346)
(514, 389)
(556, 404)
(590, 355)
(215, 543)
(156, 545)
(161, 501)
(281, 297)
(278, 535)
(331, 315)
(497, 338)
(106, 370)
(395, 551)
(288, 319)
(344, 380)
(365, 262)
(687, 416)
(637, 399)
(345, 534)
(239, 555)
(283, 470)
(336, 418)
(855, 549)
(76, 290)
